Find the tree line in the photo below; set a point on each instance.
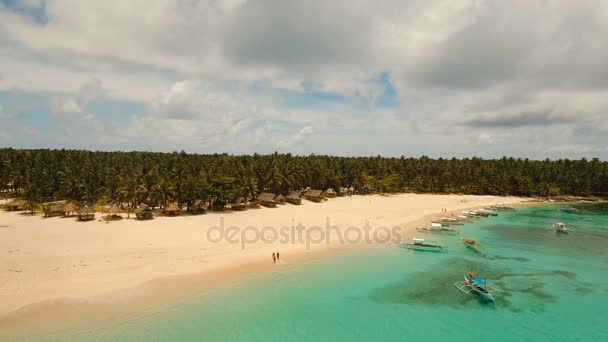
(130, 178)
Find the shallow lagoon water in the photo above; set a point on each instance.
(554, 288)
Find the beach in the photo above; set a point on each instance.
(50, 262)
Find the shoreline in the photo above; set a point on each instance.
(158, 292)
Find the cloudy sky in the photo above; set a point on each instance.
(397, 77)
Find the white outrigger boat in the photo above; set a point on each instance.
(451, 221)
(424, 245)
(480, 212)
(489, 212)
(464, 218)
(467, 214)
(471, 214)
(561, 228)
(441, 223)
(503, 207)
(438, 228)
(477, 285)
(570, 209)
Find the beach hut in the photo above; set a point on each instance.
(280, 199)
(115, 212)
(239, 204)
(143, 212)
(54, 208)
(254, 203)
(172, 210)
(112, 213)
(314, 195)
(331, 193)
(267, 199)
(295, 197)
(86, 213)
(16, 204)
(198, 207)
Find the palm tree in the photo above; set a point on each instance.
(128, 178)
(32, 197)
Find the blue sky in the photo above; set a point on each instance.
(438, 78)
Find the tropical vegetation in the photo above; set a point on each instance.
(130, 178)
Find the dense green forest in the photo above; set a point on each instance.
(130, 178)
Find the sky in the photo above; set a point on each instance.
(451, 78)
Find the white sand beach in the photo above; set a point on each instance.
(50, 260)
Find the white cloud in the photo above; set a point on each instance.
(69, 107)
(296, 138)
(476, 71)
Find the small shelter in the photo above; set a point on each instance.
(198, 207)
(172, 210)
(143, 212)
(239, 204)
(267, 199)
(281, 199)
(114, 212)
(295, 197)
(254, 203)
(16, 204)
(54, 208)
(330, 193)
(86, 213)
(314, 195)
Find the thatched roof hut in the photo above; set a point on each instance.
(143, 212)
(330, 193)
(172, 209)
(86, 213)
(16, 204)
(267, 199)
(114, 210)
(198, 207)
(314, 195)
(295, 197)
(280, 199)
(54, 208)
(239, 204)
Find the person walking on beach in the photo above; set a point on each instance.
(278, 257)
(274, 258)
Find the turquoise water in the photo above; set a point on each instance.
(555, 289)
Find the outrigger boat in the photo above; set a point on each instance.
(477, 285)
(570, 209)
(441, 223)
(464, 218)
(451, 220)
(424, 245)
(471, 243)
(480, 213)
(489, 212)
(437, 227)
(501, 206)
(470, 214)
(561, 228)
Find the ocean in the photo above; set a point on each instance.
(554, 287)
